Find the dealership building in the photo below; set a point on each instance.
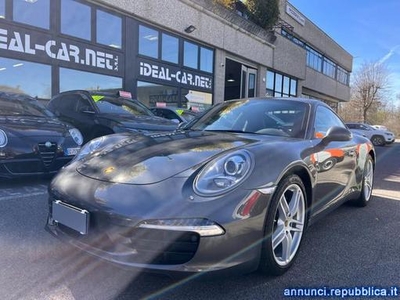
(167, 52)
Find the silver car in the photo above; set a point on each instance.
(378, 137)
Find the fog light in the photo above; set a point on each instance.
(203, 227)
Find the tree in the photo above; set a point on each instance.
(227, 3)
(264, 12)
(370, 84)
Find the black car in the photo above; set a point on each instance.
(97, 113)
(235, 189)
(32, 140)
(174, 113)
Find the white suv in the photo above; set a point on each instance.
(377, 137)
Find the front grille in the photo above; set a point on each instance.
(164, 247)
(151, 246)
(47, 153)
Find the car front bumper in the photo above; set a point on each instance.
(116, 233)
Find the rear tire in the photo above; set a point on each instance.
(284, 226)
(378, 140)
(367, 183)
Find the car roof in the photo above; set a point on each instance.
(113, 94)
(309, 101)
(15, 96)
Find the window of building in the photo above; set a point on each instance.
(74, 79)
(159, 45)
(152, 94)
(76, 19)
(280, 85)
(2, 9)
(190, 55)
(314, 59)
(293, 38)
(206, 60)
(342, 76)
(25, 77)
(108, 29)
(170, 48)
(329, 68)
(35, 13)
(148, 41)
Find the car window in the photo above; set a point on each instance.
(23, 107)
(64, 103)
(83, 105)
(283, 118)
(111, 105)
(325, 119)
(163, 113)
(352, 126)
(188, 115)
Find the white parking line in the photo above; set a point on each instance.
(22, 195)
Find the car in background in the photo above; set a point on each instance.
(377, 137)
(380, 127)
(236, 188)
(174, 113)
(33, 141)
(97, 113)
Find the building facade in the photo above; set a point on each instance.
(166, 52)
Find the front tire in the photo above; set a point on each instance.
(284, 226)
(378, 140)
(367, 183)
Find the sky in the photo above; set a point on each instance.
(368, 29)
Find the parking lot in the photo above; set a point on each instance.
(351, 247)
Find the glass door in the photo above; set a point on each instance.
(248, 82)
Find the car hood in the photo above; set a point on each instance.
(33, 126)
(142, 123)
(151, 159)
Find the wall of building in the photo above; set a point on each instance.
(227, 35)
(315, 83)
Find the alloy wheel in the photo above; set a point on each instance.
(289, 225)
(368, 179)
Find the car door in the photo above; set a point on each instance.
(77, 110)
(334, 163)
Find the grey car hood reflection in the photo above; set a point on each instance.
(151, 159)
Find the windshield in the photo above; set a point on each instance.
(270, 117)
(23, 107)
(122, 106)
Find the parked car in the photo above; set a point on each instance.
(380, 127)
(174, 113)
(235, 189)
(32, 140)
(97, 113)
(377, 137)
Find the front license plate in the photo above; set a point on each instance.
(71, 216)
(72, 151)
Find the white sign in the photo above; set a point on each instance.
(22, 42)
(199, 97)
(291, 11)
(179, 76)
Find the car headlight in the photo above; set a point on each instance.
(3, 139)
(90, 147)
(76, 135)
(223, 173)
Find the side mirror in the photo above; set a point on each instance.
(337, 134)
(86, 110)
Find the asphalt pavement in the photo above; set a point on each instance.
(351, 247)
